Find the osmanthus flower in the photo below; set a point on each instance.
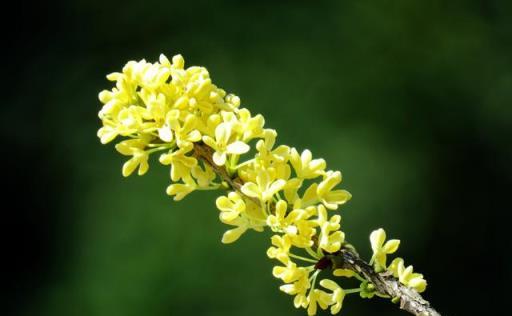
(281, 248)
(309, 197)
(127, 121)
(186, 132)
(233, 234)
(148, 75)
(204, 177)
(299, 288)
(265, 187)
(381, 249)
(279, 222)
(231, 206)
(239, 212)
(288, 273)
(156, 107)
(222, 144)
(268, 155)
(314, 299)
(331, 199)
(108, 132)
(335, 298)
(180, 190)
(305, 233)
(324, 299)
(249, 127)
(181, 164)
(204, 135)
(294, 224)
(330, 237)
(406, 276)
(134, 148)
(305, 166)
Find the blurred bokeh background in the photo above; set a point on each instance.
(411, 100)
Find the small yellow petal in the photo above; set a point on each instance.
(165, 134)
(228, 217)
(251, 189)
(164, 60)
(419, 284)
(329, 284)
(129, 166)
(232, 235)
(219, 158)
(210, 142)
(328, 183)
(343, 273)
(276, 186)
(107, 134)
(222, 133)
(377, 238)
(178, 62)
(237, 148)
(391, 246)
(223, 203)
(143, 167)
(281, 207)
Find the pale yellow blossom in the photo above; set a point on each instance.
(288, 273)
(234, 234)
(330, 238)
(406, 276)
(281, 248)
(181, 164)
(381, 250)
(230, 206)
(332, 198)
(136, 149)
(264, 188)
(336, 297)
(222, 144)
(183, 125)
(298, 288)
(305, 167)
(204, 177)
(180, 190)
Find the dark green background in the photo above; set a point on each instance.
(411, 100)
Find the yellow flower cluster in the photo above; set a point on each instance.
(165, 107)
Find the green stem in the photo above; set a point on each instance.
(312, 253)
(303, 258)
(160, 148)
(360, 278)
(382, 295)
(244, 163)
(313, 280)
(350, 291)
(210, 188)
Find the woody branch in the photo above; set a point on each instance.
(385, 284)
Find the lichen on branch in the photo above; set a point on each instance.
(206, 138)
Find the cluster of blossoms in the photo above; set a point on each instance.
(167, 108)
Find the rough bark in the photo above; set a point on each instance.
(410, 300)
